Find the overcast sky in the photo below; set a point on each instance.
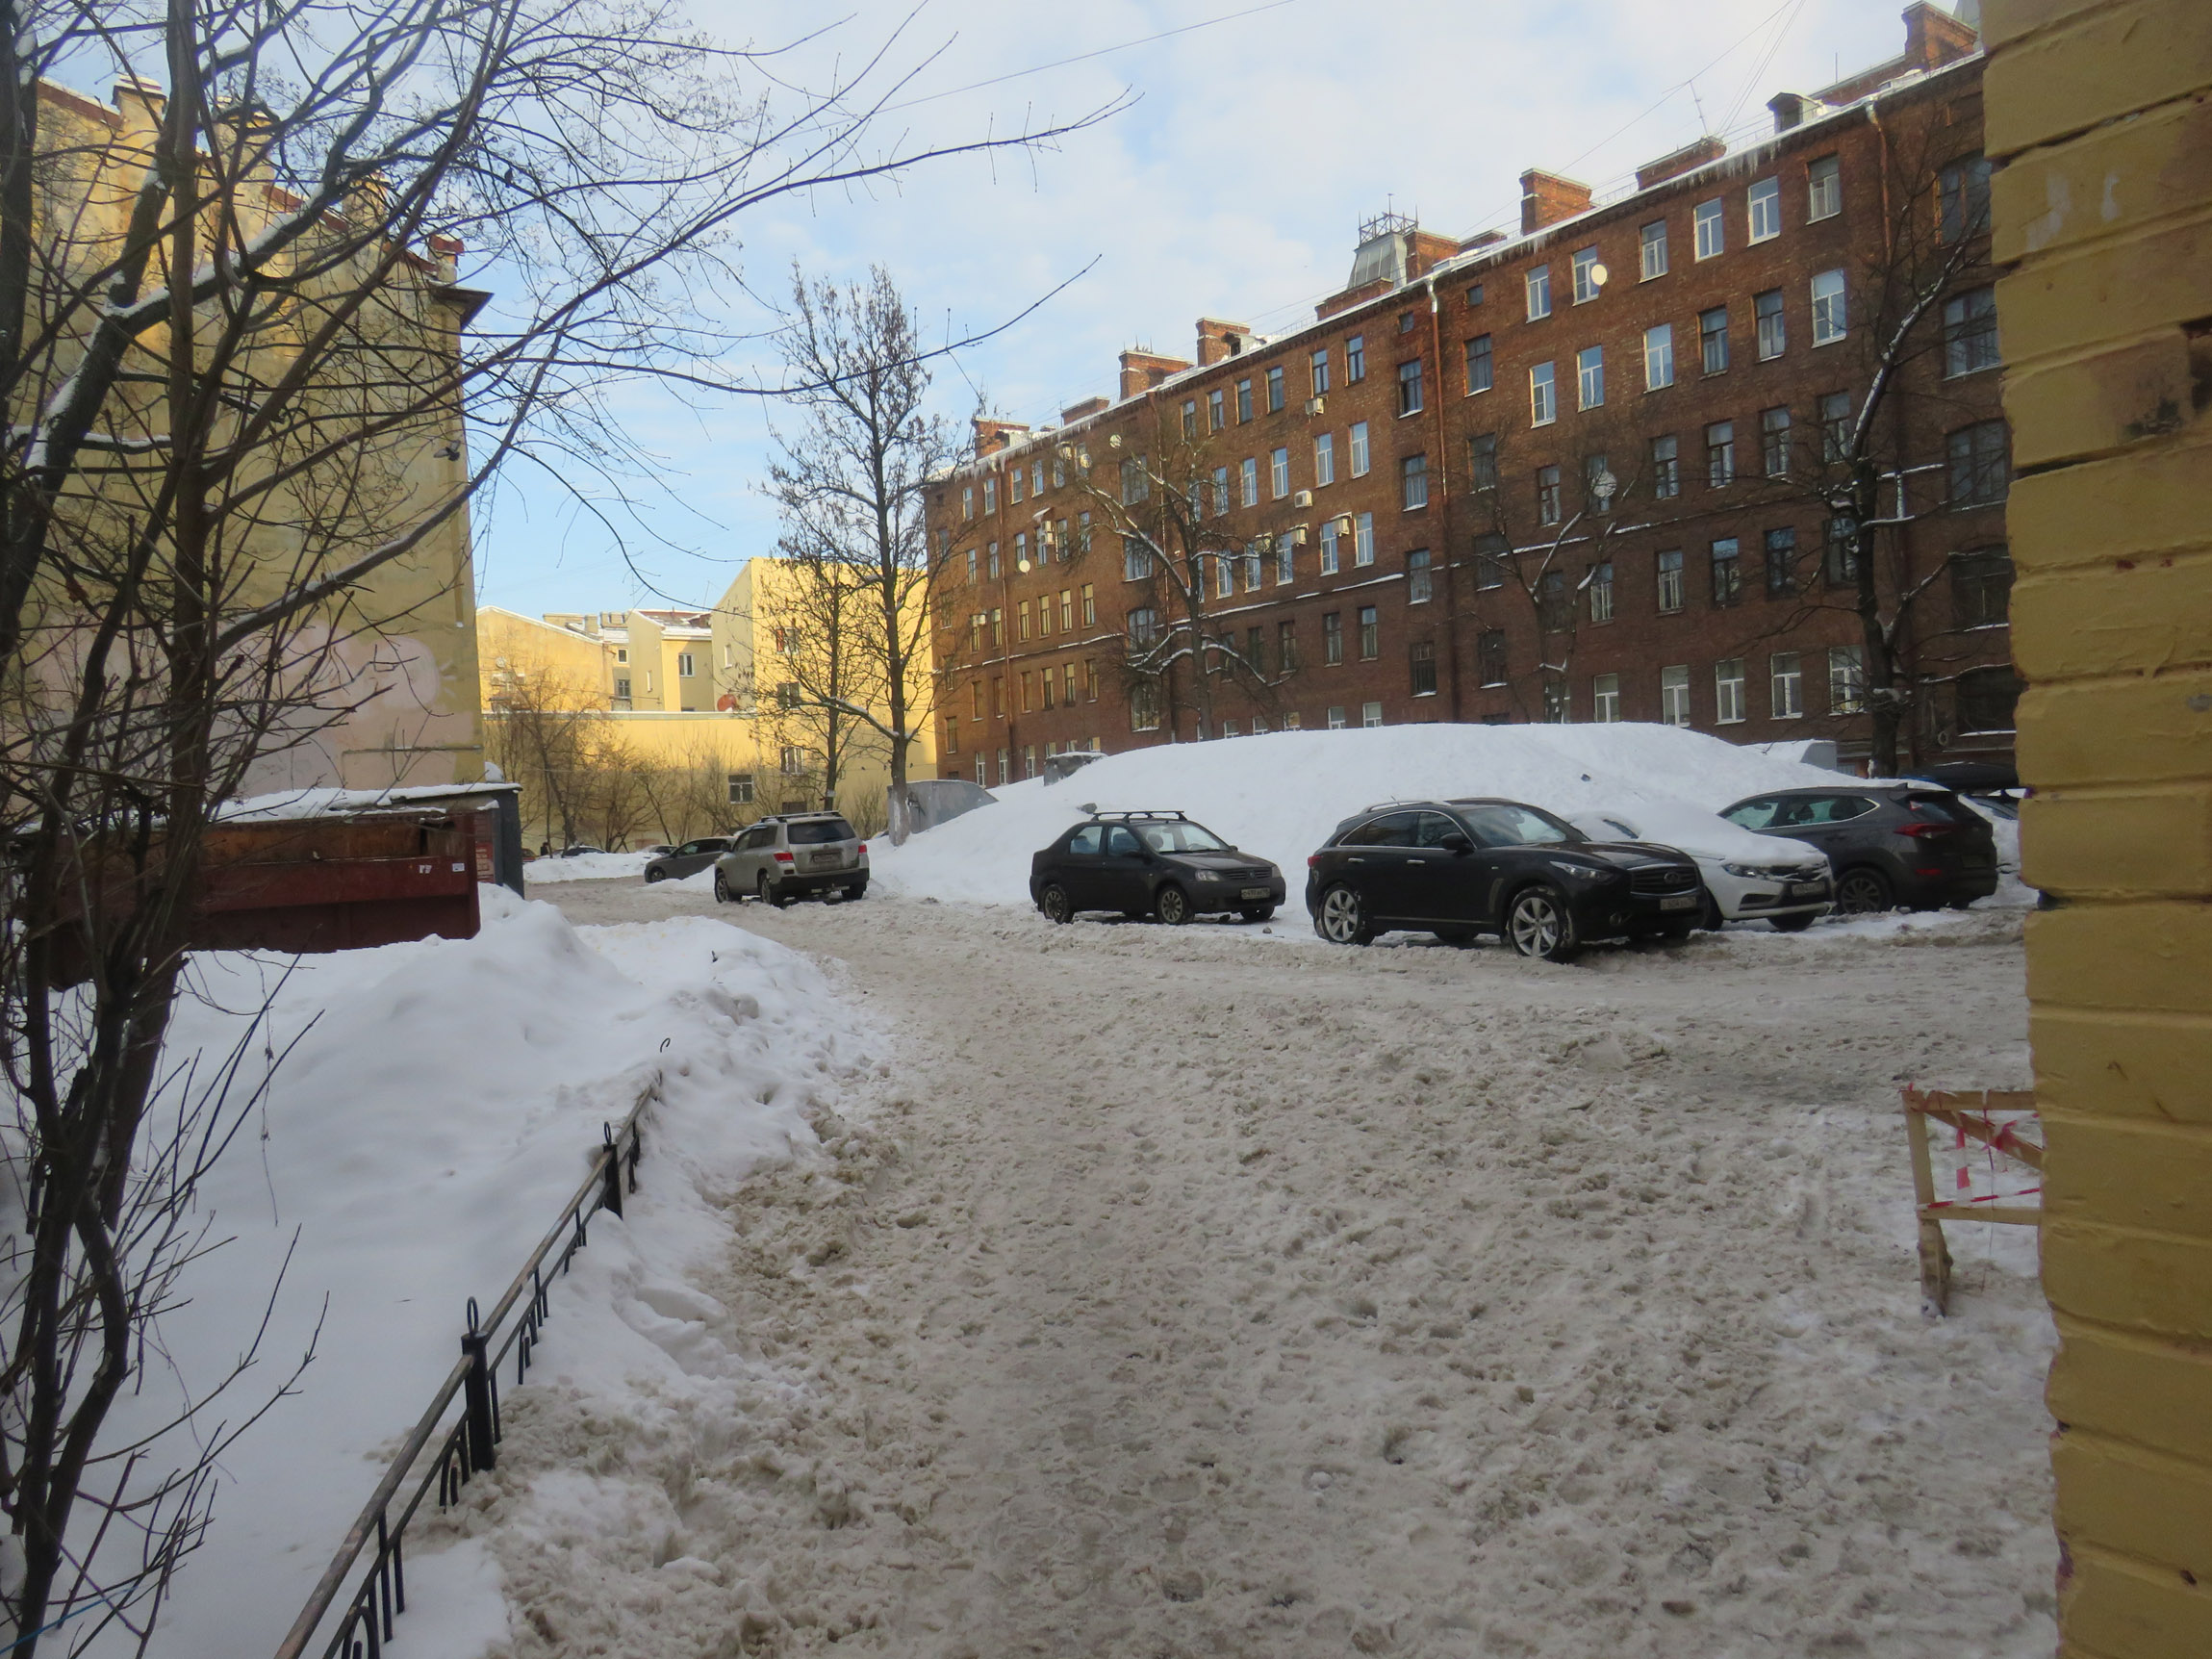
(1233, 188)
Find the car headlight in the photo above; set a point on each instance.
(1750, 873)
(1581, 872)
(1211, 876)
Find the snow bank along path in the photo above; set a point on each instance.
(419, 1140)
(1176, 1297)
(1280, 793)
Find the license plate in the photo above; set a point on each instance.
(1805, 889)
(1680, 901)
(820, 859)
(1254, 893)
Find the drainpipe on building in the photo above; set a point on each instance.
(1443, 554)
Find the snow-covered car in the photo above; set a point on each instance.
(1747, 878)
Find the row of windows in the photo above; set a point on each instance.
(1786, 699)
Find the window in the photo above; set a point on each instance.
(1981, 588)
(1713, 339)
(1548, 496)
(1781, 562)
(1490, 657)
(1764, 200)
(1091, 686)
(1538, 285)
(1980, 472)
(1216, 410)
(1370, 714)
(622, 688)
(1421, 662)
(1329, 548)
(1355, 360)
(1604, 699)
(622, 655)
(1275, 391)
(1013, 486)
(1774, 441)
(1474, 293)
(1190, 417)
(1278, 474)
(1358, 448)
(1067, 610)
(991, 561)
(1843, 542)
(1248, 481)
(1828, 320)
(1414, 477)
(1494, 556)
(1363, 539)
(1091, 607)
(1669, 583)
(1712, 237)
(1482, 461)
(1666, 468)
(1060, 468)
(1135, 560)
(1658, 357)
(1987, 698)
(1654, 250)
(1555, 606)
(1970, 332)
(1418, 579)
(1332, 639)
(1599, 585)
(1244, 401)
(1324, 460)
(972, 555)
(1585, 283)
(1037, 476)
(787, 694)
(1336, 719)
(1022, 621)
(1786, 684)
(990, 495)
(967, 500)
(1068, 685)
(1846, 679)
(1135, 485)
(1082, 532)
(1728, 692)
(1674, 695)
(1286, 646)
(998, 626)
(1224, 573)
(1409, 387)
(1835, 426)
(1286, 559)
(794, 760)
(1963, 191)
(1727, 572)
(1143, 626)
(1720, 454)
(1479, 364)
(1220, 491)
(1824, 189)
(1767, 309)
(1254, 565)
(740, 785)
(1144, 707)
(1029, 691)
(1022, 552)
(1590, 377)
(1543, 409)
(1319, 369)
(1406, 322)
(1598, 483)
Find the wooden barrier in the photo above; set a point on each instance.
(1990, 1117)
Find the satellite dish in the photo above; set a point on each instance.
(726, 704)
(1022, 565)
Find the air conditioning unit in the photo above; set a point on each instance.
(1303, 498)
(1315, 405)
(1298, 535)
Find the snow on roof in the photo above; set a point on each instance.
(332, 803)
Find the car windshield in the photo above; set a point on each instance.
(813, 831)
(1180, 837)
(1501, 824)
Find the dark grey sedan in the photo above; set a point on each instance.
(689, 859)
(1890, 845)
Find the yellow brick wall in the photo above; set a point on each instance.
(2100, 115)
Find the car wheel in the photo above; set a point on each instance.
(1539, 926)
(858, 890)
(652, 874)
(769, 894)
(1864, 893)
(722, 893)
(1171, 904)
(1053, 902)
(1256, 912)
(1796, 924)
(1342, 919)
(1674, 932)
(1710, 917)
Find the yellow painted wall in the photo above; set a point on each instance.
(2100, 112)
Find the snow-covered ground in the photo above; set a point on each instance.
(440, 1104)
(584, 867)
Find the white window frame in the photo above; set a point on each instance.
(1846, 679)
(1711, 219)
(1537, 284)
(1544, 395)
(1336, 717)
(1358, 448)
(1823, 188)
(1329, 548)
(1286, 559)
(1830, 320)
(1324, 460)
(1363, 539)
(1278, 472)
(1589, 377)
(1248, 481)
(1785, 686)
(1586, 289)
(1728, 698)
(1762, 210)
(1370, 714)
(1658, 357)
(1413, 481)
(1674, 694)
(1605, 700)
(1651, 251)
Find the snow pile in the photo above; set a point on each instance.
(326, 801)
(443, 1099)
(1280, 795)
(584, 867)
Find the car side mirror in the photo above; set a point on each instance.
(1457, 845)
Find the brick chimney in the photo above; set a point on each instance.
(1425, 250)
(1218, 340)
(1694, 155)
(1934, 37)
(1142, 370)
(1482, 238)
(1546, 198)
(992, 436)
(1085, 410)
(1793, 109)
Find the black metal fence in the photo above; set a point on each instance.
(457, 1448)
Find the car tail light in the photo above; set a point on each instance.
(783, 858)
(863, 849)
(1312, 861)
(1927, 832)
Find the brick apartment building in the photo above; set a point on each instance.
(1588, 473)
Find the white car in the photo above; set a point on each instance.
(1749, 878)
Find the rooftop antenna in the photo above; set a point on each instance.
(1703, 125)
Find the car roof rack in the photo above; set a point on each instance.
(1415, 801)
(1149, 812)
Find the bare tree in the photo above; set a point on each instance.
(824, 679)
(244, 402)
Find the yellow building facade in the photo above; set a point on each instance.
(2100, 113)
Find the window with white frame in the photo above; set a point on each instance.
(1286, 559)
(1544, 400)
(1766, 310)
(1363, 539)
(1254, 564)
(1278, 474)
(1216, 409)
(1585, 268)
(1336, 719)
(1329, 552)
(1765, 199)
(1786, 682)
(1728, 692)
(1589, 377)
(1014, 485)
(1220, 491)
(1709, 219)
(740, 788)
(1324, 460)
(1410, 388)
(1413, 481)
(1479, 364)
(1418, 585)
(1824, 189)
(1654, 251)
(1224, 575)
(1828, 318)
(1548, 496)
(1846, 679)
(1658, 357)
(1604, 699)
(1538, 285)
(1358, 448)
(1370, 714)
(1599, 583)
(1670, 581)
(990, 495)
(967, 500)
(686, 664)
(1674, 695)
(1248, 479)
(1135, 560)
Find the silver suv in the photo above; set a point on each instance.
(790, 855)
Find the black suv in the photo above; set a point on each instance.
(1151, 864)
(1458, 868)
(1890, 844)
